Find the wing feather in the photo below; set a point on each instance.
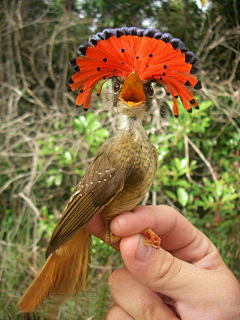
(97, 188)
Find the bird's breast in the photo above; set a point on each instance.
(143, 169)
(142, 164)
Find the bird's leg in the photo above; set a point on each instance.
(151, 239)
(109, 237)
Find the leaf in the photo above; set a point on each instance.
(181, 183)
(229, 197)
(94, 125)
(170, 194)
(205, 104)
(218, 188)
(77, 125)
(183, 163)
(182, 195)
(53, 171)
(162, 153)
(44, 210)
(80, 123)
(58, 180)
(50, 180)
(178, 163)
(102, 133)
(67, 155)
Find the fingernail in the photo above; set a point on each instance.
(142, 252)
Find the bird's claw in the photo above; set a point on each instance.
(151, 239)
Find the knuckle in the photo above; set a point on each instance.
(149, 312)
(154, 311)
(115, 276)
(113, 313)
(168, 268)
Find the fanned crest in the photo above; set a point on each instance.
(154, 56)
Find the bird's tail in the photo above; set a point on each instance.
(64, 273)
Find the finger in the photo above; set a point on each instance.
(117, 313)
(162, 272)
(194, 289)
(137, 300)
(178, 235)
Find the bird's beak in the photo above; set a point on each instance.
(132, 92)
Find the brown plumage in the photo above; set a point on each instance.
(116, 181)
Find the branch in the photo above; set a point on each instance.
(201, 155)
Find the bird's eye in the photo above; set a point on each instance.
(150, 91)
(116, 87)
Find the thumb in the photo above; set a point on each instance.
(160, 271)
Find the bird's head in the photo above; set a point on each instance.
(135, 58)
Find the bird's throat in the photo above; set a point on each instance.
(132, 126)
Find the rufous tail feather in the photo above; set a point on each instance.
(64, 273)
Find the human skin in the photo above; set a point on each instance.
(186, 276)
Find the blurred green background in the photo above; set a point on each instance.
(46, 143)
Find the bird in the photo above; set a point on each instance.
(123, 169)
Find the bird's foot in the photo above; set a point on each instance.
(151, 239)
(111, 238)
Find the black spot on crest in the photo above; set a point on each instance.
(198, 85)
(192, 101)
(194, 69)
(76, 68)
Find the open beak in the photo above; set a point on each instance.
(132, 92)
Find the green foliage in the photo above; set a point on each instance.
(91, 128)
(229, 9)
(123, 12)
(182, 19)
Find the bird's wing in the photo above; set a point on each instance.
(100, 184)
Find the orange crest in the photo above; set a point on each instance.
(151, 54)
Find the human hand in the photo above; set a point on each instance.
(186, 275)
